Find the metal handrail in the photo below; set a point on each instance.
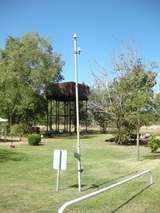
(92, 194)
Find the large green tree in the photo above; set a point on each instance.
(132, 99)
(128, 99)
(27, 65)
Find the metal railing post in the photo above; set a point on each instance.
(151, 178)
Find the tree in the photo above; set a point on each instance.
(99, 102)
(132, 100)
(129, 98)
(138, 102)
(27, 65)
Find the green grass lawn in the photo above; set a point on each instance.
(28, 182)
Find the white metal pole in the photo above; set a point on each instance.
(138, 151)
(58, 171)
(76, 52)
(151, 178)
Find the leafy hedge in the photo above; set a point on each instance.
(34, 139)
(154, 143)
(18, 129)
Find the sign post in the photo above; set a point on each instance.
(59, 163)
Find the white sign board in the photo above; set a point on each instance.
(60, 159)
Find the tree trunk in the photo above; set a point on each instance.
(138, 157)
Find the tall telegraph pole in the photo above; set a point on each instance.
(77, 52)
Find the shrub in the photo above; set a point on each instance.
(154, 143)
(17, 129)
(34, 139)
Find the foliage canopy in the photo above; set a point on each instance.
(27, 65)
(128, 101)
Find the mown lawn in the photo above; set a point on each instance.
(28, 182)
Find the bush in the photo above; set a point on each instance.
(34, 139)
(154, 143)
(17, 129)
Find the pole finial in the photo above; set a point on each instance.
(74, 35)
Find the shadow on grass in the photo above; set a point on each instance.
(7, 155)
(71, 137)
(152, 156)
(76, 185)
(96, 185)
(83, 134)
(87, 136)
(130, 199)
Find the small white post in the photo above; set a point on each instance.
(59, 163)
(76, 52)
(58, 172)
(151, 178)
(138, 142)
